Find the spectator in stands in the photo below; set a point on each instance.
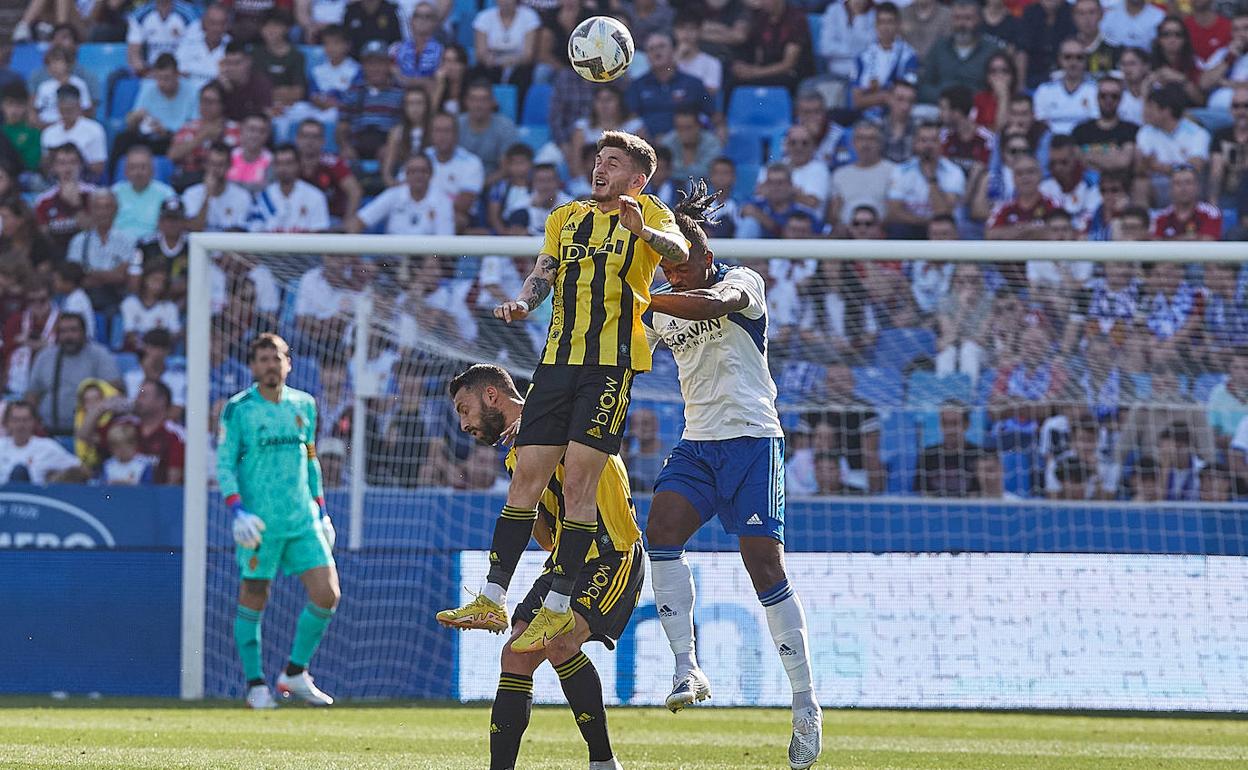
(248, 91)
(149, 308)
(1227, 68)
(512, 191)
(29, 459)
(693, 147)
(1219, 484)
(991, 104)
(19, 130)
(558, 22)
(60, 73)
(962, 140)
(1022, 218)
(899, 124)
(643, 453)
(332, 78)
(1209, 30)
(164, 105)
(962, 319)
(289, 204)
(1001, 23)
(483, 131)
(765, 216)
(923, 22)
(409, 443)
(452, 78)
(811, 177)
(26, 333)
(234, 277)
(1225, 313)
(884, 61)
(1067, 101)
(370, 108)
(325, 298)
(645, 17)
(434, 302)
(777, 51)
(863, 182)
(1167, 405)
(104, 251)
(661, 185)
(157, 28)
(607, 112)
(547, 195)
(1137, 77)
(656, 96)
(852, 430)
(811, 113)
(571, 100)
(200, 52)
(158, 436)
(923, 186)
(1132, 224)
(1086, 15)
(1029, 377)
(66, 37)
(1187, 218)
(1069, 184)
(125, 466)
(58, 369)
(725, 27)
(251, 161)
(845, 31)
(1178, 466)
(723, 180)
(416, 59)
(1047, 25)
(960, 58)
(326, 171)
(1167, 139)
(154, 348)
(189, 148)
(1174, 62)
(1115, 198)
(505, 41)
(59, 210)
(691, 59)
(1133, 23)
(1228, 157)
(1228, 401)
(217, 204)
(69, 296)
(1170, 302)
(84, 133)
(457, 173)
(1107, 143)
(282, 62)
(367, 21)
(140, 196)
(947, 469)
(410, 207)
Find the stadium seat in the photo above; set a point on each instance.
(27, 58)
(313, 56)
(102, 59)
(744, 147)
(766, 107)
(507, 97)
(815, 22)
(899, 347)
(878, 386)
(1016, 472)
(534, 136)
(162, 169)
(536, 105)
(122, 93)
(126, 362)
(305, 374)
(898, 451)
(747, 175)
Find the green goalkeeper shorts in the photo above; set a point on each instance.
(295, 554)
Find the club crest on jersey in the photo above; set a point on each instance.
(253, 562)
(298, 421)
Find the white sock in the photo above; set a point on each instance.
(557, 602)
(495, 593)
(787, 623)
(672, 582)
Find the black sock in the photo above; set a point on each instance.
(574, 543)
(583, 690)
(255, 683)
(512, 532)
(509, 718)
(293, 670)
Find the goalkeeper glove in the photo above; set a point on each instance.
(327, 526)
(247, 527)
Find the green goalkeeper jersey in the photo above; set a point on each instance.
(266, 453)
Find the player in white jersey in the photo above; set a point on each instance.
(728, 464)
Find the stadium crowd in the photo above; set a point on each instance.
(127, 126)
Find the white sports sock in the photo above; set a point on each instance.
(787, 623)
(672, 582)
(557, 602)
(495, 593)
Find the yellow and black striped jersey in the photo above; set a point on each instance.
(602, 285)
(617, 519)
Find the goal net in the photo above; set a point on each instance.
(1012, 474)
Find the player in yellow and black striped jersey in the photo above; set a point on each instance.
(604, 595)
(599, 257)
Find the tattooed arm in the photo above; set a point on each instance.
(534, 291)
(670, 246)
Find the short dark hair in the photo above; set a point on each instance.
(1135, 212)
(237, 46)
(480, 376)
(68, 148)
(161, 388)
(945, 218)
(82, 322)
(959, 97)
(519, 149)
(687, 111)
(867, 207)
(335, 31)
(724, 159)
(165, 61)
(1058, 213)
(267, 341)
(1061, 142)
(68, 92)
(1170, 98)
(158, 338)
(887, 7)
(70, 272)
(312, 122)
(637, 149)
(286, 147)
(29, 407)
(15, 91)
(220, 147)
(546, 167)
(214, 86)
(279, 16)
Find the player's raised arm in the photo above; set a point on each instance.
(701, 304)
(657, 228)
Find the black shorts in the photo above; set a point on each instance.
(606, 593)
(585, 404)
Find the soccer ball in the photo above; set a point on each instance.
(600, 49)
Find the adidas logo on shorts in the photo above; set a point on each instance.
(585, 601)
(754, 520)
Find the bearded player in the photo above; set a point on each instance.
(728, 464)
(599, 257)
(271, 481)
(604, 595)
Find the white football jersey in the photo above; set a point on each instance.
(722, 363)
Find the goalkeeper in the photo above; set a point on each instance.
(271, 481)
(603, 597)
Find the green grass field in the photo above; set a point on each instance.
(43, 734)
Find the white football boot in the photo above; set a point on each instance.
(610, 764)
(688, 688)
(260, 697)
(807, 742)
(302, 687)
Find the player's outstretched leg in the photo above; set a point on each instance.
(764, 560)
(672, 521)
(583, 689)
(253, 595)
(323, 594)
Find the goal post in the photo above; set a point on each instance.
(196, 611)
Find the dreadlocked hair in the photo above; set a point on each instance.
(696, 208)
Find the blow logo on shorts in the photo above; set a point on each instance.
(607, 401)
(597, 582)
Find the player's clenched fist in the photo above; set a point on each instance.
(516, 310)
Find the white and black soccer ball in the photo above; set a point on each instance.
(600, 49)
